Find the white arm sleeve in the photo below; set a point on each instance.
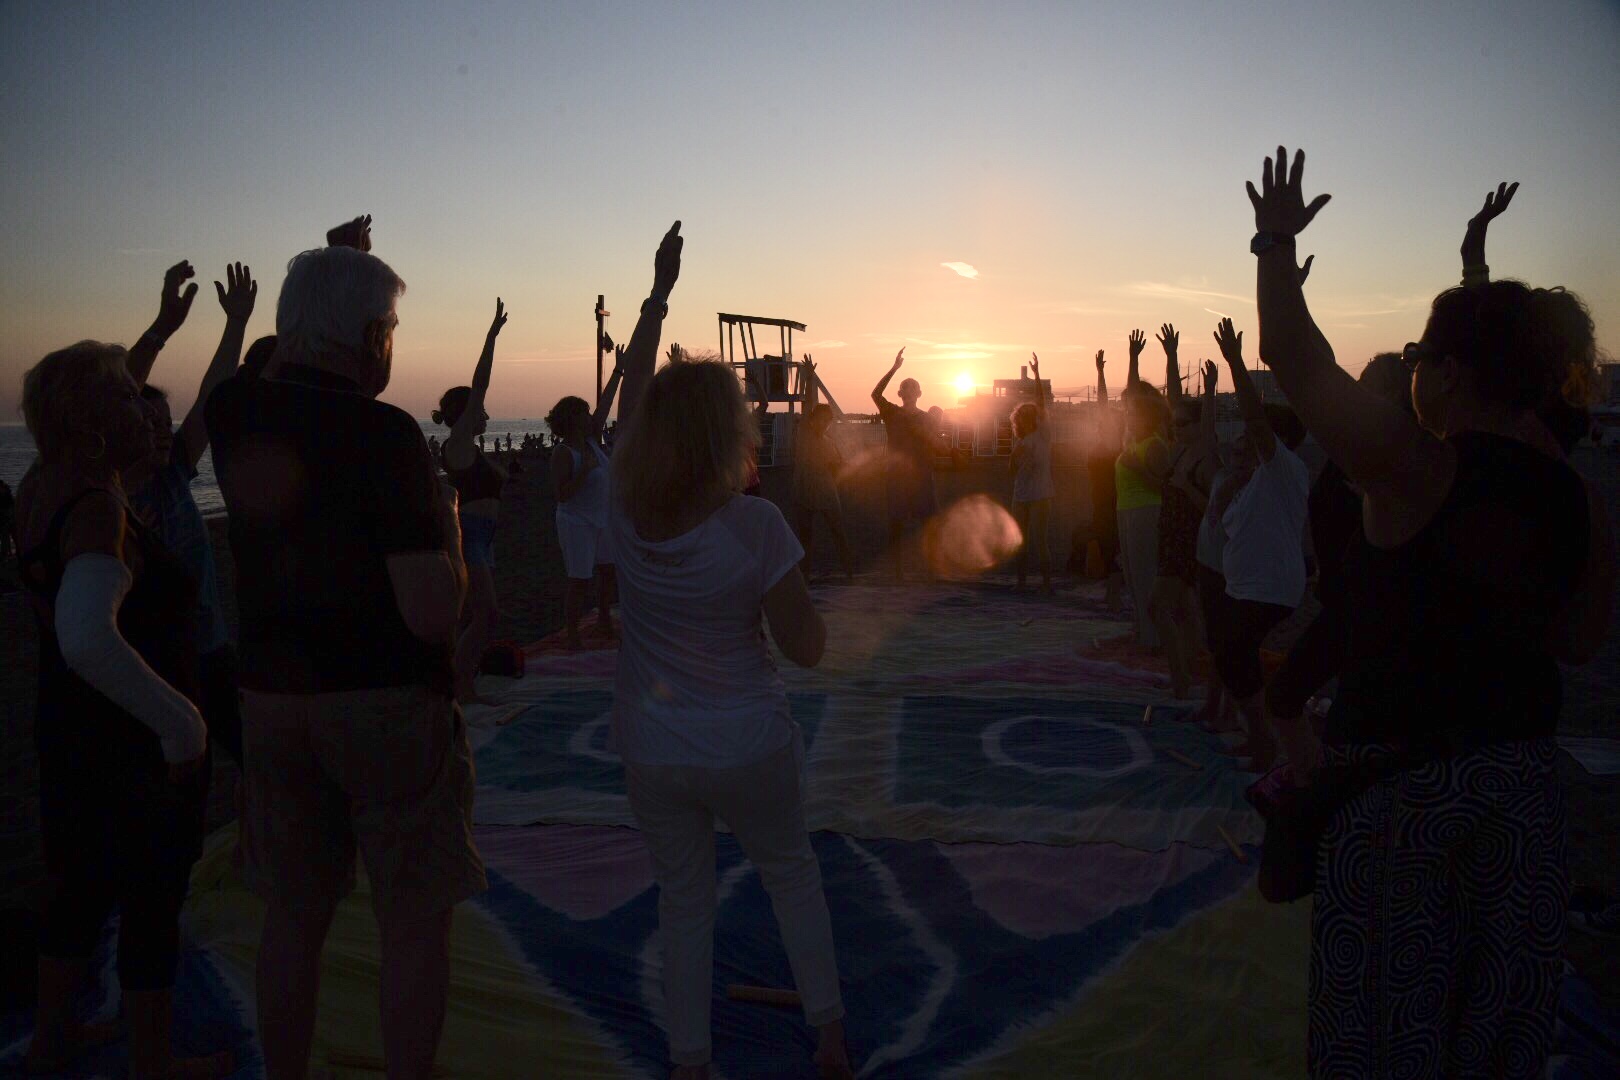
(93, 588)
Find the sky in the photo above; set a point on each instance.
(971, 181)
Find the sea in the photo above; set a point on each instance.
(17, 453)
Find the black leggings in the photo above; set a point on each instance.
(1315, 658)
(118, 833)
(148, 928)
(1236, 633)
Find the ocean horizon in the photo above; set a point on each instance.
(17, 454)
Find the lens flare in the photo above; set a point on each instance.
(972, 536)
(964, 385)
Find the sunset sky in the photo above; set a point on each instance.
(971, 181)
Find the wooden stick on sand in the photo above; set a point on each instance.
(765, 995)
(1237, 852)
(1177, 755)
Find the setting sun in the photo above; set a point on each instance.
(964, 385)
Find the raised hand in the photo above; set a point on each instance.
(667, 262)
(1230, 343)
(1279, 205)
(499, 320)
(899, 358)
(1168, 338)
(355, 234)
(1138, 343)
(1473, 245)
(1305, 270)
(237, 296)
(1035, 366)
(1495, 203)
(1212, 375)
(1100, 360)
(174, 305)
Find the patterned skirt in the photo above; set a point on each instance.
(1437, 928)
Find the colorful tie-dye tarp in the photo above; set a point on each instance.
(1025, 878)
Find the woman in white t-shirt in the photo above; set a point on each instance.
(1032, 480)
(700, 715)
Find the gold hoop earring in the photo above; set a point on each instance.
(102, 452)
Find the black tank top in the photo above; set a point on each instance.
(1448, 630)
(480, 480)
(155, 618)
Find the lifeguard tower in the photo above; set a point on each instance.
(780, 378)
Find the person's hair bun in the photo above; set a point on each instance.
(438, 417)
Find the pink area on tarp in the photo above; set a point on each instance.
(1037, 890)
(582, 871)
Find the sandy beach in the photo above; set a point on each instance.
(529, 578)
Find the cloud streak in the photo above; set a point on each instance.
(967, 270)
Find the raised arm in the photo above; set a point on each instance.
(1133, 375)
(1102, 380)
(1040, 395)
(1475, 270)
(604, 406)
(461, 434)
(1171, 341)
(1373, 440)
(173, 307)
(1207, 441)
(641, 355)
(883, 384)
(1256, 426)
(237, 298)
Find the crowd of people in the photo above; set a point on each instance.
(1459, 560)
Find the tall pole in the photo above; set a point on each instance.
(601, 315)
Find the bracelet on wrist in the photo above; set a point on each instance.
(1476, 275)
(152, 338)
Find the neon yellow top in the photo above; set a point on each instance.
(1131, 490)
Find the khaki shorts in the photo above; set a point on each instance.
(388, 770)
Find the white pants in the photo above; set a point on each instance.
(763, 804)
(1139, 550)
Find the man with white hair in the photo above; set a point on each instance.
(350, 582)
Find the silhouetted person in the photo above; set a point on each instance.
(1139, 475)
(1102, 450)
(816, 464)
(350, 582)
(160, 491)
(1181, 501)
(579, 479)
(1032, 481)
(909, 474)
(123, 750)
(478, 480)
(1439, 910)
(8, 514)
(700, 715)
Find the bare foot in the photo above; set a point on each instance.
(473, 697)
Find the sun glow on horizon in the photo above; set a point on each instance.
(964, 385)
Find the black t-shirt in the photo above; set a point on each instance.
(1448, 630)
(911, 440)
(1335, 519)
(323, 484)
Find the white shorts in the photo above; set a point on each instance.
(583, 549)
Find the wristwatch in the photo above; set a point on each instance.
(658, 302)
(1265, 241)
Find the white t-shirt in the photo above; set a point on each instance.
(696, 682)
(1034, 477)
(589, 504)
(1264, 558)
